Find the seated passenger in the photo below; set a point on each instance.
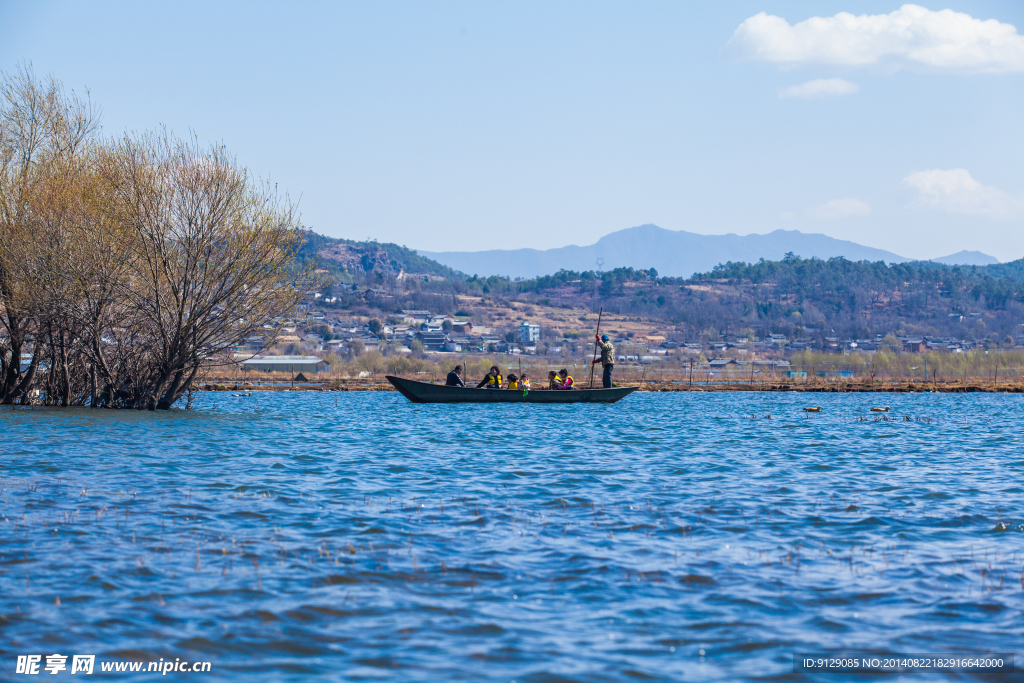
(524, 382)
(455, 378)
(552, 380)
(565, 380)
(513, 381)
(492, 380)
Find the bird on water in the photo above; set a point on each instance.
(816, 409)
(880, 410)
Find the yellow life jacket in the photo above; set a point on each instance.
(524, 384)
(568, 383)
(494, 381)
(513, 385)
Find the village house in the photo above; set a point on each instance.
(462, 328)
(914, 345)
(415, 317)
(530, 334)
(432, 340)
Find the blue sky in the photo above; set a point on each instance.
(465, 126)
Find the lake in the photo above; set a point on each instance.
(357, 536)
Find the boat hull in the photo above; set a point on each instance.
(424, 392)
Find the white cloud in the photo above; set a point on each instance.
(821, 87)
(957, 192)
(786, 215)
(912, 36)
(839, 208)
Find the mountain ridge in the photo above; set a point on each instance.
(967, 258)
(675, 253)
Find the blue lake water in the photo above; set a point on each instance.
(356, 536)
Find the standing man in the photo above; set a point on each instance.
(607, 359)
(455, 378)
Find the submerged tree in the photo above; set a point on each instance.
(129, 265)
(211, 252)
(44, 133)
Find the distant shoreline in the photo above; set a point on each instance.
(877, 387)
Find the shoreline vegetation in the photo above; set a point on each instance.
(973, 372)
(893, 386)
(809, 372)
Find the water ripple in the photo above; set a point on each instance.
(285, 536)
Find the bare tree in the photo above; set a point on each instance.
(127, 266)
(42, 131)
(211, 254)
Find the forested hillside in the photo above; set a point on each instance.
(352, 260)
(859, 299)
(795, 295)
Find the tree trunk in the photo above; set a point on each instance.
(51, 375)
(107, 376)
(23, 386)
(65, 399)
(153, 399)
(178, 389)
(10, 380)
(167, 399)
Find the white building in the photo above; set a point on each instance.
(290, 364)
(530, 333)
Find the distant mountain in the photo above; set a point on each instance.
(671, 252)
(967, 258)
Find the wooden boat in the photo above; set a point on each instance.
(425, 392)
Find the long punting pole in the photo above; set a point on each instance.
(599, 314)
